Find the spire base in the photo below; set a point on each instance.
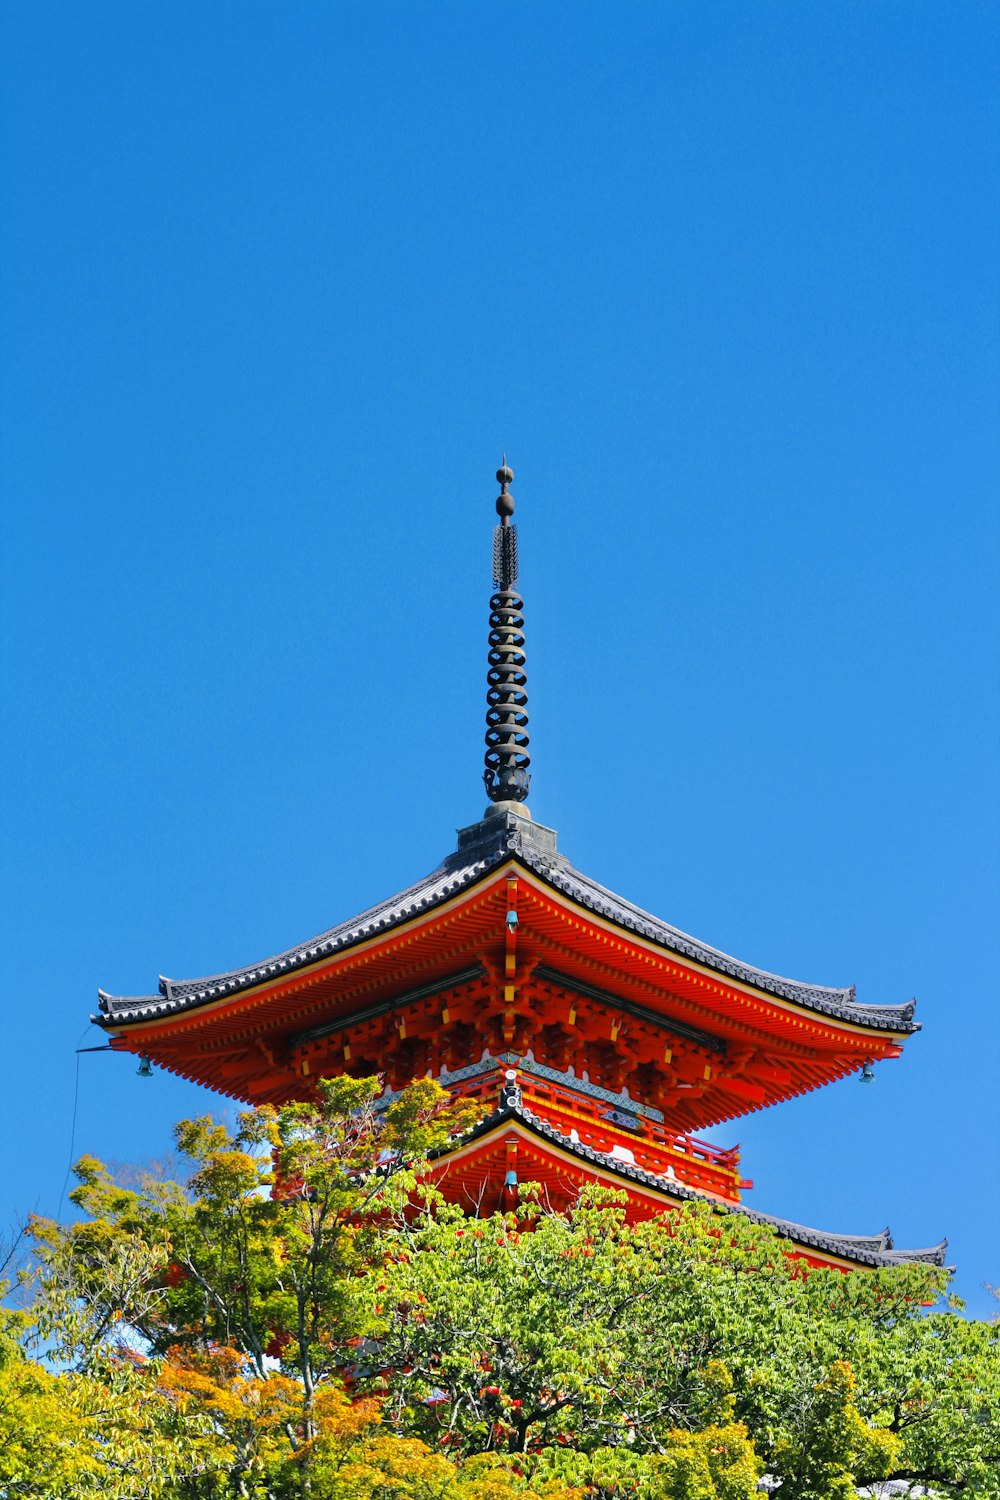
(500, 810)
(509, 831)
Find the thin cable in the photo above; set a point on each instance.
(72, 1128)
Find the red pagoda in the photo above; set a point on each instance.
(599, 1040)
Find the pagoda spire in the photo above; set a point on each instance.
(507, 760)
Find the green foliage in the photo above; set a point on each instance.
(257, 1267)
(584, 1334)
(828, 1443)
(192, 1343)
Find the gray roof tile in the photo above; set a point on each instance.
(481, 847)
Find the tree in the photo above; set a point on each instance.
(537, 1332)
(302, 1317)
(255, 1268)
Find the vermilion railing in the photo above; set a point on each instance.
(655, 1148)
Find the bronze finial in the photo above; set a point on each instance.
(505, 500)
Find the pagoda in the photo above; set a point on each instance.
(598, 1040)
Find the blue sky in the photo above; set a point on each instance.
(277, 286)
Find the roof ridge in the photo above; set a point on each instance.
(833, 1000)
(175, 994)
(842, 990)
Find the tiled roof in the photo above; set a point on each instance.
(867, 1250)
(481, 847)
(840, 1003)
(185, 994)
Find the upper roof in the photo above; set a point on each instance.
(482, 847)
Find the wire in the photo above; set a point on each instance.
(72, 1128)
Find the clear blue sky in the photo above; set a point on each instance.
(278, 285)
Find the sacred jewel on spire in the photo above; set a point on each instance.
(507, 760)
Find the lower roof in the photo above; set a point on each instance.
(871, 1250)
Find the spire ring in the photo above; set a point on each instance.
(507, 760)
